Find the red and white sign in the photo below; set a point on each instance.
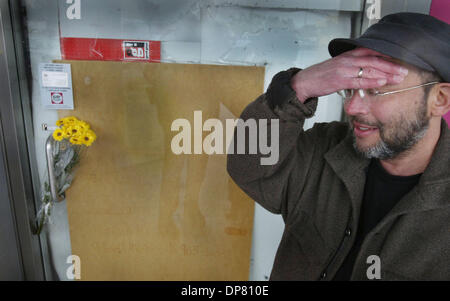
(110, 50)
(57, 98)
(136, 50)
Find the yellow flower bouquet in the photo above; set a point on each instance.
(70, 139)
(76, 131)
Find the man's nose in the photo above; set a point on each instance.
(356, 105)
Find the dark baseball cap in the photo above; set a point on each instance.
(418, 39)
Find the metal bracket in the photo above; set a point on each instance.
(46, 127)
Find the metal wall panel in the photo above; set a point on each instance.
(17, 164)
(341, 5)
(10, 263)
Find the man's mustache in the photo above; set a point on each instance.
(362, 121)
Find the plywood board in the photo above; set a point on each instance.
(136, 210)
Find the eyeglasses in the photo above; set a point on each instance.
(347, 94)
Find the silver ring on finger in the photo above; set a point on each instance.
(360, 73)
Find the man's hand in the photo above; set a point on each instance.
(341, 72)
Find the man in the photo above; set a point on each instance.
(368, 198)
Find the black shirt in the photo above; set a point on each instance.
(381, 192)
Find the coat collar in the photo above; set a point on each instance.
(433, 189)
(351, 169)
(428, 194)
(438, 169)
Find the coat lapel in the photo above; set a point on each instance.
(351, 168)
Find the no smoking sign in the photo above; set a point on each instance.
(57, 98)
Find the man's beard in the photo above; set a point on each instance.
(396, 138)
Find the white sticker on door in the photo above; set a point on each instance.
(55, 81)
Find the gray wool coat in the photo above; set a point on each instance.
(317, 186)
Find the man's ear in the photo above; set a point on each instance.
(441, 103)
